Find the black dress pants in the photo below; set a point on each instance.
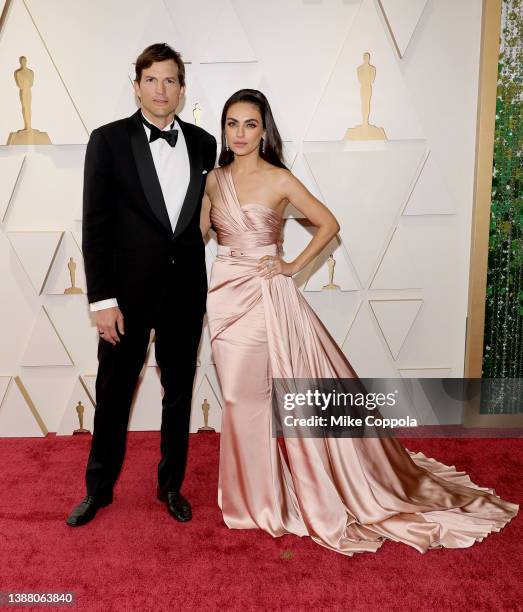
(178, 328)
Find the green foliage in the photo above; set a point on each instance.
(504, 305)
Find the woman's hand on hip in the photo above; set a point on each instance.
(270, 265)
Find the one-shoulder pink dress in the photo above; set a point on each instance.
(347, 494)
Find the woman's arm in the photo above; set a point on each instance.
(319, 215)
(205, 215)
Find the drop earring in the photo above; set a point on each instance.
(226, 145)
(263, 145)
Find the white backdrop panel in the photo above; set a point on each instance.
(52, 108)
(404, 205)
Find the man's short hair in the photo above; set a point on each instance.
(159, 52)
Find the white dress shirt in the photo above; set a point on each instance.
(173, 170)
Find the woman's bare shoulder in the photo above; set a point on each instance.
(284, 180)
(280, 176)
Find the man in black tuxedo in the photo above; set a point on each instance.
(145, 267)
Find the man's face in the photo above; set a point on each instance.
(159, 89)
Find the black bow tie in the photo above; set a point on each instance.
(171, 136)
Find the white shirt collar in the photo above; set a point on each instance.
(170, 126)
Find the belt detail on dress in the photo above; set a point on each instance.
(258, 251)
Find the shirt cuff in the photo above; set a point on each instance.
(102, 304)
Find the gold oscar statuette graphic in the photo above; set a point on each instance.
(24, 78)
(80, 412)
(205, 410)
(72, 273)
(331, 262)
(197, 113)
(366, 131)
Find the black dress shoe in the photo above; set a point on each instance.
(178, 507)
(86, 510)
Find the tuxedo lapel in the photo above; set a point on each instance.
(147, 171)
(195, 161)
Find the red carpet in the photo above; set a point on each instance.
(135, 557)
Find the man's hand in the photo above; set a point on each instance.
(108, 321)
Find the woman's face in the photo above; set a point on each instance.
(243, 128)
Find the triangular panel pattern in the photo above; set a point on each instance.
(448, 411)
(36, 252)
(150, 359)
(227, 40)
(343, 276)
(18, 415)
(70, 422)
(4, 384)
(204, 392)
(220, 81)
(430, 195)
(146, 411)
(52, 108)
(296, 236)
(402, 18)
(89, 384)
(197, 94)
(10, 171)
(375, 360)
(45, 347)
(340, 105)
(395, 318)
(336, 310)
(297, 43)
(185, 15)
(75, 55)
(73, 322)
(67, 275)
(366, 192)
(399, 267)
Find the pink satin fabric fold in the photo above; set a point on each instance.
(348, 495)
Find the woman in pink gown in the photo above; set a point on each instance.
(347, 494)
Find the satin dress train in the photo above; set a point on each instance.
(347, 494)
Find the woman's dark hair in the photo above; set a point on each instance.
(159, 52)
(272, 141)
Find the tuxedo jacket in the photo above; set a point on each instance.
(130, 250)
